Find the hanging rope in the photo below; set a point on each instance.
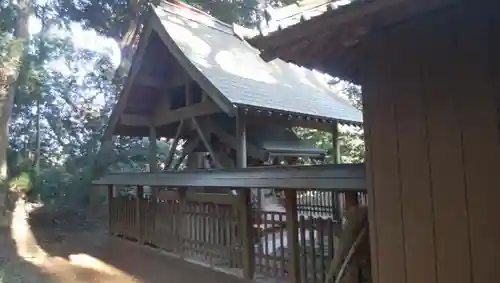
(354, 233)
(361, 236)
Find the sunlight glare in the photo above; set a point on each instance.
(63, 270)
(34, 25)
(242, 65)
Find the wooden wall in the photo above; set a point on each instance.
(432, 100)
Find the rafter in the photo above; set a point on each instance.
(232, 141)
(134, 120)
(204, 136)
(199, 109)
(174, 144)
(164, 115)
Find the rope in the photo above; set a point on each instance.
(349, 256)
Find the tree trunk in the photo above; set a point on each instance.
(9, 72)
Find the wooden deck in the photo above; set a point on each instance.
(149, 265)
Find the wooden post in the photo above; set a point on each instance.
(138, 214)
(336, 197)
(110, 210)
(153, 168)
(153, 149)
(292, 236)
(349, 198)
(245, 201)
(173, 146)
(182, 224)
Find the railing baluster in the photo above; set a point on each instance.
(138, 213)
(292, 241)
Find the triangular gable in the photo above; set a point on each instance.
(136, 63)
(234, 75)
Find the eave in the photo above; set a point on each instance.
(344, 30)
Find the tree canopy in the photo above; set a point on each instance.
(62, 94)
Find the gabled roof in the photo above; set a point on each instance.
(236, 71)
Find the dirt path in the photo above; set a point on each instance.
(90, 256)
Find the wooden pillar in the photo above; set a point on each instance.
(138, 213)
(110, 210)
(336, 197)
(245, 201)
(182, 225)
(292, 236)
(153, 168)
(153, 149)
(344, 200)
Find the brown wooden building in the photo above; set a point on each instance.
(195, 78)
(192, 76)
(430, 73)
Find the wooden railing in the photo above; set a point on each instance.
(197, 226)
(295, 246)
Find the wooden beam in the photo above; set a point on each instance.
(288, 121)
(173, 145)
(179, 79)
(165, 116)
(229, 139)
(134, 120)
(191, 144)
(340, 178)
(134, 70)
(199, 109)
(205, 139)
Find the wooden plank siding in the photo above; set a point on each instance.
(431, 97)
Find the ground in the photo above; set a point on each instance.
(74, 248)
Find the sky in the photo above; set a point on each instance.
(86, 40)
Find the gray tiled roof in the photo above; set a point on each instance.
(237, 71)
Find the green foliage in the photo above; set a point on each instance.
(21, 175)
(351, 139)
(68, 90)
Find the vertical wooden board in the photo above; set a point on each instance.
(385, 172)
(481, 147)
(447, 173)
(416, 196)
(367, 122)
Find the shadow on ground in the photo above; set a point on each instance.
(78, 249)
(14, 268)
(25, 260)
